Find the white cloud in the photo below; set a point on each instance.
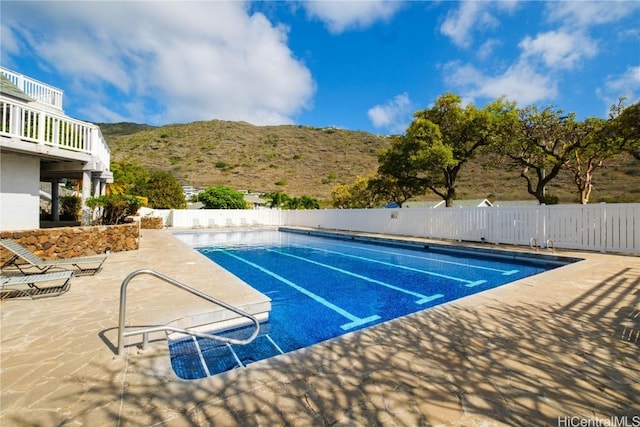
(535, 73)
(588, 13)
(471, 16)
(170, 61)
(394, 115)
(520, 82)
(486, 49)
(559, 49)
(343, 15)
(626, 84)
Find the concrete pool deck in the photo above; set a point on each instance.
(539, 351)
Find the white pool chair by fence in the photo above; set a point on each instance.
(28, 263)
(211, 222)
(30, 285)
(196, 223)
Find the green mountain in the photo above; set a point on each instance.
(301, 160)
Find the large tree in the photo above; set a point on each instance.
(602, 140)
(544, 143)
(625, 127)
(464, 131)
(413, 163)
(593, 148)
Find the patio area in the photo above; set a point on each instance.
(560, 346)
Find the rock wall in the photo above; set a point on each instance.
(151, 222)
(69, 242)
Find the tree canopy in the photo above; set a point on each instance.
(278, 199)
(160, 189)
(412, 164)
(359, 195)
(548, 140)
(221, 197)
(126, 176)
(462, 132)
(625, 127)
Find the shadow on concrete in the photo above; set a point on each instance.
(500, 364)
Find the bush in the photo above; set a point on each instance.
(70, 207)
(115, 208)
(163, 191)
(222, 197)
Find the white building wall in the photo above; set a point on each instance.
(19, 192)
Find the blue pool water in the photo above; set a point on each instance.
(323, 287)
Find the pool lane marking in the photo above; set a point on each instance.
(421, 298)
(479, 267)
(201, 356)
(354, 320)
(274, 343)
(468, 283)
(235, 356)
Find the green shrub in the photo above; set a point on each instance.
(70, 207)
(114, 207)
(222, 197)
(163, 191)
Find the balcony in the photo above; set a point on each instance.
(33, 120)
(40, 143)
(34, 89)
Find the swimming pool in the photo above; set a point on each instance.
(323, 287)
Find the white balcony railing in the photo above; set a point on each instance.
(39, 91)
(32, 125)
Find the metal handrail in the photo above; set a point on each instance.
(145, 331)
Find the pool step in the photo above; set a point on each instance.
(194, 358)
(220, 320)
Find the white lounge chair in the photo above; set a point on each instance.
(28, 285)
(81, 265)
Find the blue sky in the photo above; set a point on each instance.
(359, 65)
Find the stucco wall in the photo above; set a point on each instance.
(19, 192)
(69, 242)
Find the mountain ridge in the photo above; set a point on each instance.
(304, 160)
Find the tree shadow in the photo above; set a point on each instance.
(499, 364)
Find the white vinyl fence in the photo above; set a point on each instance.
(216, 218)
(599, 227)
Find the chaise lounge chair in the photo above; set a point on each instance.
(13, 286)
(82, 266)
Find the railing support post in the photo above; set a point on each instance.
(145, 331)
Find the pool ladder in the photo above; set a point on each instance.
(122, 333)
(549, 244)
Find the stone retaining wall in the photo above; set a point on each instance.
(151, 222)
(69, 242)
